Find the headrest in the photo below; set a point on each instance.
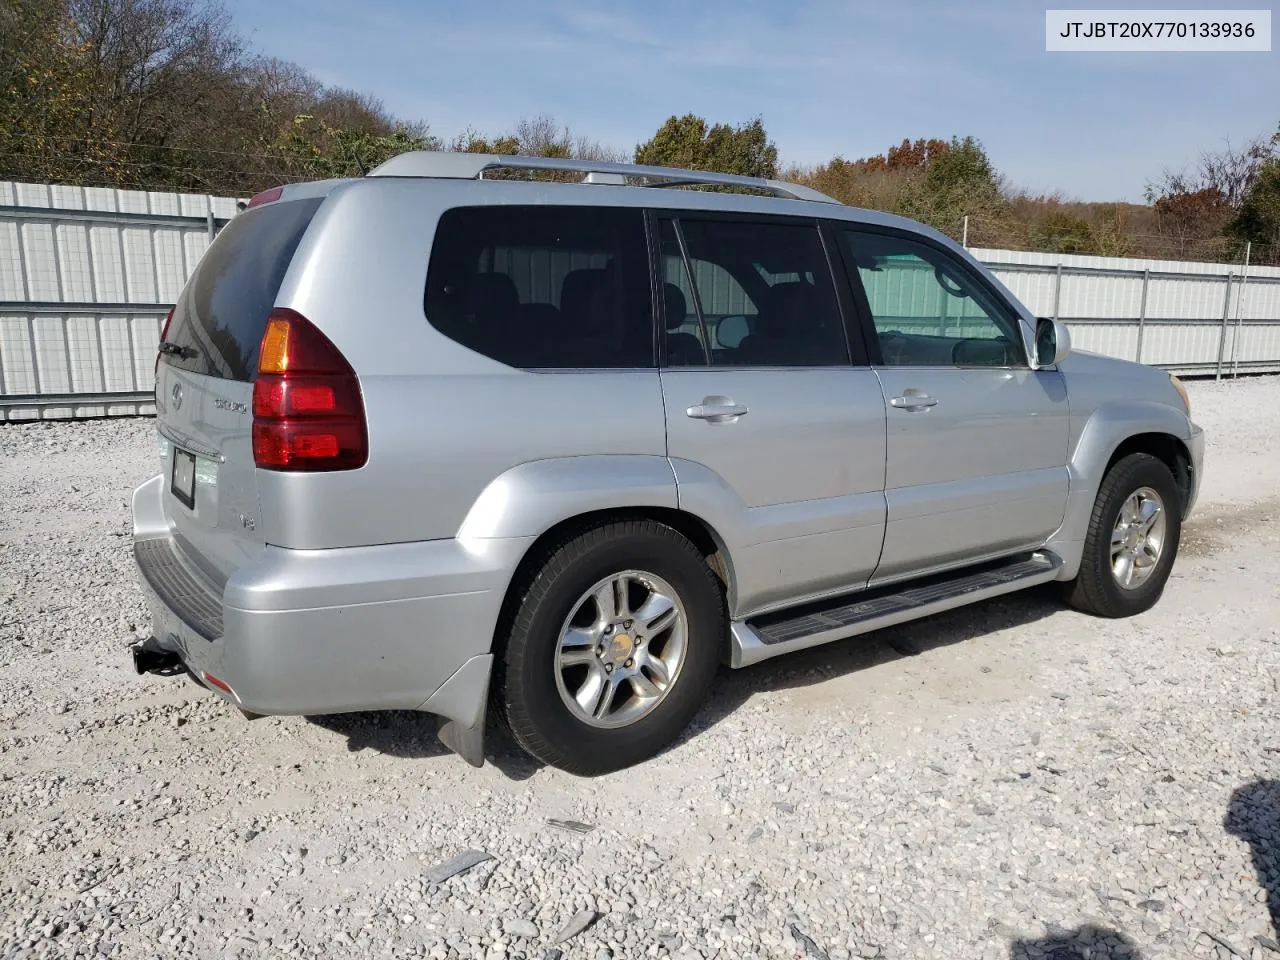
(677, 308)
(491, 294)
(788, 306)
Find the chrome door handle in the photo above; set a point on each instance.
(716, 410)
(913, 401)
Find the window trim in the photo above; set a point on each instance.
(657, 217)
(863, 303)
(834, 273)
(657, 306)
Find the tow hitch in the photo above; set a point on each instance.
(150, 657)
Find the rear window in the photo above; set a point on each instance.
(544, 287)
(222, 312)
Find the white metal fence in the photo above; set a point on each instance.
(87, 275)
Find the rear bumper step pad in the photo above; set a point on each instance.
(196, 604)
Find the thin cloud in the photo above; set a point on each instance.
(827, 77)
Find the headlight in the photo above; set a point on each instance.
(1182, 392)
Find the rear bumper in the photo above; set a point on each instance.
(331, 631)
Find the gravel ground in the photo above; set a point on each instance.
(1010, 780)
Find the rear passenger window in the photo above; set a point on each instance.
(222, 312)
(542, 287)
(766, 293)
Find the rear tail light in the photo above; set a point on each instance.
(164, 335)
(308, 414)
(266, 196)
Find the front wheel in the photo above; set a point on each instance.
(1132, 540)
(613, 644)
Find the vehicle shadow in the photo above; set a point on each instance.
(410, 735)
(810, 667)
(1082, 943)
(1253, 815)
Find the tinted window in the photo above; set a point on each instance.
(544, 287)
(928, 309)
(685, 340)
(222, 312)
(766, 293)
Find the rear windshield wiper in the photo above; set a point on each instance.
(169, 348)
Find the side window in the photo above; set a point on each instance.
(766, 293)
(685, 340)
(927, 310)
(543, 287)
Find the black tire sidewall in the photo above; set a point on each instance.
(1131, 475)
(531, 689)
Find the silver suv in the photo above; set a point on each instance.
(448, 435)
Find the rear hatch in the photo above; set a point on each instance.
(204, 385)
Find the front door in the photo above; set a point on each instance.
(776, 433)
(977, 440)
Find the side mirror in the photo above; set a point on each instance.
(1053, 342)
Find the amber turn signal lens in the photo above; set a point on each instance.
(274, 354)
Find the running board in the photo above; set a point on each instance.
(770, 636)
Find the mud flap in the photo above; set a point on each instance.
(460, 704)
(466, 742)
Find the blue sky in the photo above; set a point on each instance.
(827, 77)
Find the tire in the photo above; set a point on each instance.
(534, 687)
(1098, 589)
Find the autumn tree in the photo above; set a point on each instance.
(161, 94)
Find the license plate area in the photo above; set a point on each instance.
(183, 479)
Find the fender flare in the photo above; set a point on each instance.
(531, 498)
(1107, 428)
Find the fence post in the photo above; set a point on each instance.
(1057, 290)
(964, 237)
(1226, 316)
(1142, 312)
(1235, 341)
(209, 224)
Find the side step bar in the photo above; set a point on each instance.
(759, 639)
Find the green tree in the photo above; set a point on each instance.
(1258, 219)
(959, 181)
(314, 150)
(687, 142)
(1063, 232)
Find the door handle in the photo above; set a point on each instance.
(913, 401)
(716, 410)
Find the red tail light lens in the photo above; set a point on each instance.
(266, 196)
(164, 335)
(307, 410)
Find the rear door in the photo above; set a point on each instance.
(977, 440)
(776, 431)
(204, 389)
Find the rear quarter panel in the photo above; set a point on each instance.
(444, 422)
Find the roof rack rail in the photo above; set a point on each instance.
(472, 166)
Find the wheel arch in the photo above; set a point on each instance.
(700, 533)
(1169, 450)
(1113, 431)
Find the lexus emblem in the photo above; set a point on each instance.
(176, 395)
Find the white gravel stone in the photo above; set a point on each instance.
(945, 803)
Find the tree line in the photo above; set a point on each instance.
(166, 95)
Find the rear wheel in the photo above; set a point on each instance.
(613, 644)
(1132, 540)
